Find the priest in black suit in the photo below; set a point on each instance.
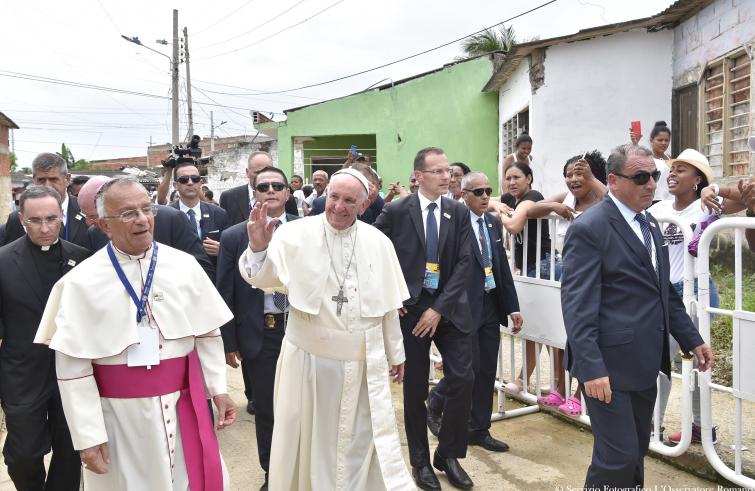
(49, 169)
(30, 266)
(431, 235)
(493, 299)
(207, 220)
(256, 331)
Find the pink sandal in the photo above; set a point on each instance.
(553, 399)
(572, 407)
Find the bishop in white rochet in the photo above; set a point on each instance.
(335, 427)
(138, 350)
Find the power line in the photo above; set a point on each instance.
(261, 24)
(55, 81)
(222, 18)
(406, 57)
(275, 33)
(247, 88)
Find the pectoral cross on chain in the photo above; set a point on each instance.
(339, 299)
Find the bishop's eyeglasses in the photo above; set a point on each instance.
(131, 215)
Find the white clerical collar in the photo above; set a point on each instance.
(128, 257)
(626, 212)
(335, 231)
(47, 247)
(424, 201)
(197, 208)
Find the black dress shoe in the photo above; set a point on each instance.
(425, 478)
(433, 422)
(251, 408)
(488, 442)
(455, 474)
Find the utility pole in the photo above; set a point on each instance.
(212, 135)
(174, 74)
(188, 82)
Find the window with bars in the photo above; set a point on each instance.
(727, 108)
(514, 127)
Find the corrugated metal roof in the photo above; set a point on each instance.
(669, 18)
(6, 121)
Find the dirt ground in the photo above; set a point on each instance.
(546, 453)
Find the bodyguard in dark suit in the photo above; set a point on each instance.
(238, 201)
(49, 169)
(207, 220)
(493, 299)
(619, 309)
(256, 331)
(431, 235)
(36, 424)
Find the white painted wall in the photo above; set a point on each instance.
(513, 96)
(592, 90)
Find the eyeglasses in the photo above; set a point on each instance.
(131, 215)
(263, 187)
(39, 221)
(479, 191)
(641, 178)
(185, 179)
(437, 172)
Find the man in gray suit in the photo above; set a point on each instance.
(619, 308)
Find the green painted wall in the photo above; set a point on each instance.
(445, 109)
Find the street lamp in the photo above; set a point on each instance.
(136, 41)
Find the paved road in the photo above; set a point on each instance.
(546, 454)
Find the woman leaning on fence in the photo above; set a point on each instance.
(585, 179)
(688, 175)
(519, 184)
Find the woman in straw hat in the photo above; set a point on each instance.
(688, 175)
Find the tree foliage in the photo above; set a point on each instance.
(496, 39)
(71, 161)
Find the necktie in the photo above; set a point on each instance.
(279, 299)
(483, 243)
(646, 237)
(431, 235)
(193, 220)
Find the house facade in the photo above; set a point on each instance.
(6, 194)
(390, 123)
(689, 66)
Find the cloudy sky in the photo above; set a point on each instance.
(245, 54)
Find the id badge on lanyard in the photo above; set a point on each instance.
(432, 276)
(147, 351)
(489, 279)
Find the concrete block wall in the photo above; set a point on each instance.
(5, 181)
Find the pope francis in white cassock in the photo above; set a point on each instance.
(335, 427)
(138, 352)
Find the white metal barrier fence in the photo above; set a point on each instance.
(743, 343)
(540, 305)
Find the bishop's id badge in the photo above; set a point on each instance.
(489, 279)
(432, 276)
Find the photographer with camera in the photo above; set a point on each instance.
(178, 155)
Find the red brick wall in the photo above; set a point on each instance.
(4, 156)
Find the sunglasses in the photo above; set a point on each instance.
(185, 179)
(479, 191)
(263, 187)
(642, 178)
